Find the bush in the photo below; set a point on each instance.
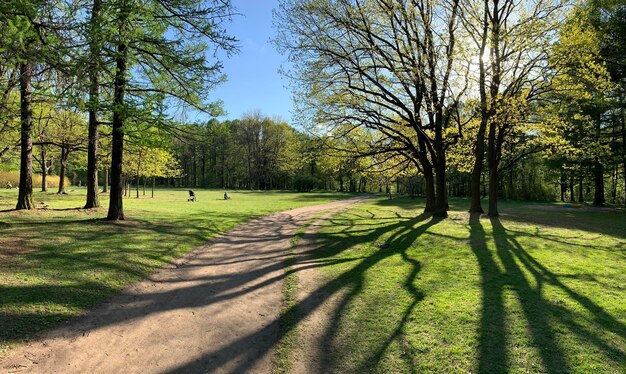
(13, 177)
(305, 183)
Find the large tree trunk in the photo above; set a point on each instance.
(475, 205)
(479, 150)
(441, 196)
(493, 193)
(492, 163)
(25, 196)
(94, 93)
(63, 170)
(116, 209)
(429, 191)
(598, 174)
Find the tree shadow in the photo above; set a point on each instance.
(541, 315)
(348, 285)
(600, 222)
(88, 261)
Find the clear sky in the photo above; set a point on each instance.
(253, 79)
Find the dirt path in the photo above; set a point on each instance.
(217, 310)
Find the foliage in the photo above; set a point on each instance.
(306, 183)
(13, 178)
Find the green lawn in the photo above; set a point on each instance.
(58, 261)
(540, 289)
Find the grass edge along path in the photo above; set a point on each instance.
(288, 330)
(288, 344)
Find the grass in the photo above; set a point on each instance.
(540, 289)
(288, 342)
(57, 262)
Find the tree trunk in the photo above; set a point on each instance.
(63, 170)
(441, 196)
(614, 175)
(92, 148)
(105, 188)
(25, 195)
(492, 163)
(429, 180)
(479, 150)
(563, 187)
(44, 170)
(137, 185)
(571, 187)
(580, 187)
(493, 193)
(116, 209)
(598, 174)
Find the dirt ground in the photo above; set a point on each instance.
(215, 310)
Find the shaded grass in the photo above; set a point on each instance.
(540, 289)
(57, 262)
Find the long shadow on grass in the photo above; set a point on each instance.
(539, 313)
(87, 261)
(350, 282)
(116, 256)
(612, 223)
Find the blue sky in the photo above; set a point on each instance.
(253, 79)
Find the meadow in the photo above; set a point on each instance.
(540, 289)
(58, 260)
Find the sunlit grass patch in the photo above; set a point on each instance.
(58, 260)
(536, 290)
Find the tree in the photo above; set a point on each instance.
(96, 42)
(42, 129)
(20, 34)
(512, 41)
(33, 31)
(164, 48)
(69, 135)
(582, 90)
(388, 66)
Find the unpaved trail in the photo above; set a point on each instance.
(217, 310)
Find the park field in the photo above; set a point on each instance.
(541, 289)
(58, 260)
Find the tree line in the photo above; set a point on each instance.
(477, 98)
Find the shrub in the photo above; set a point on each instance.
(305, 183)
(13, 177)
